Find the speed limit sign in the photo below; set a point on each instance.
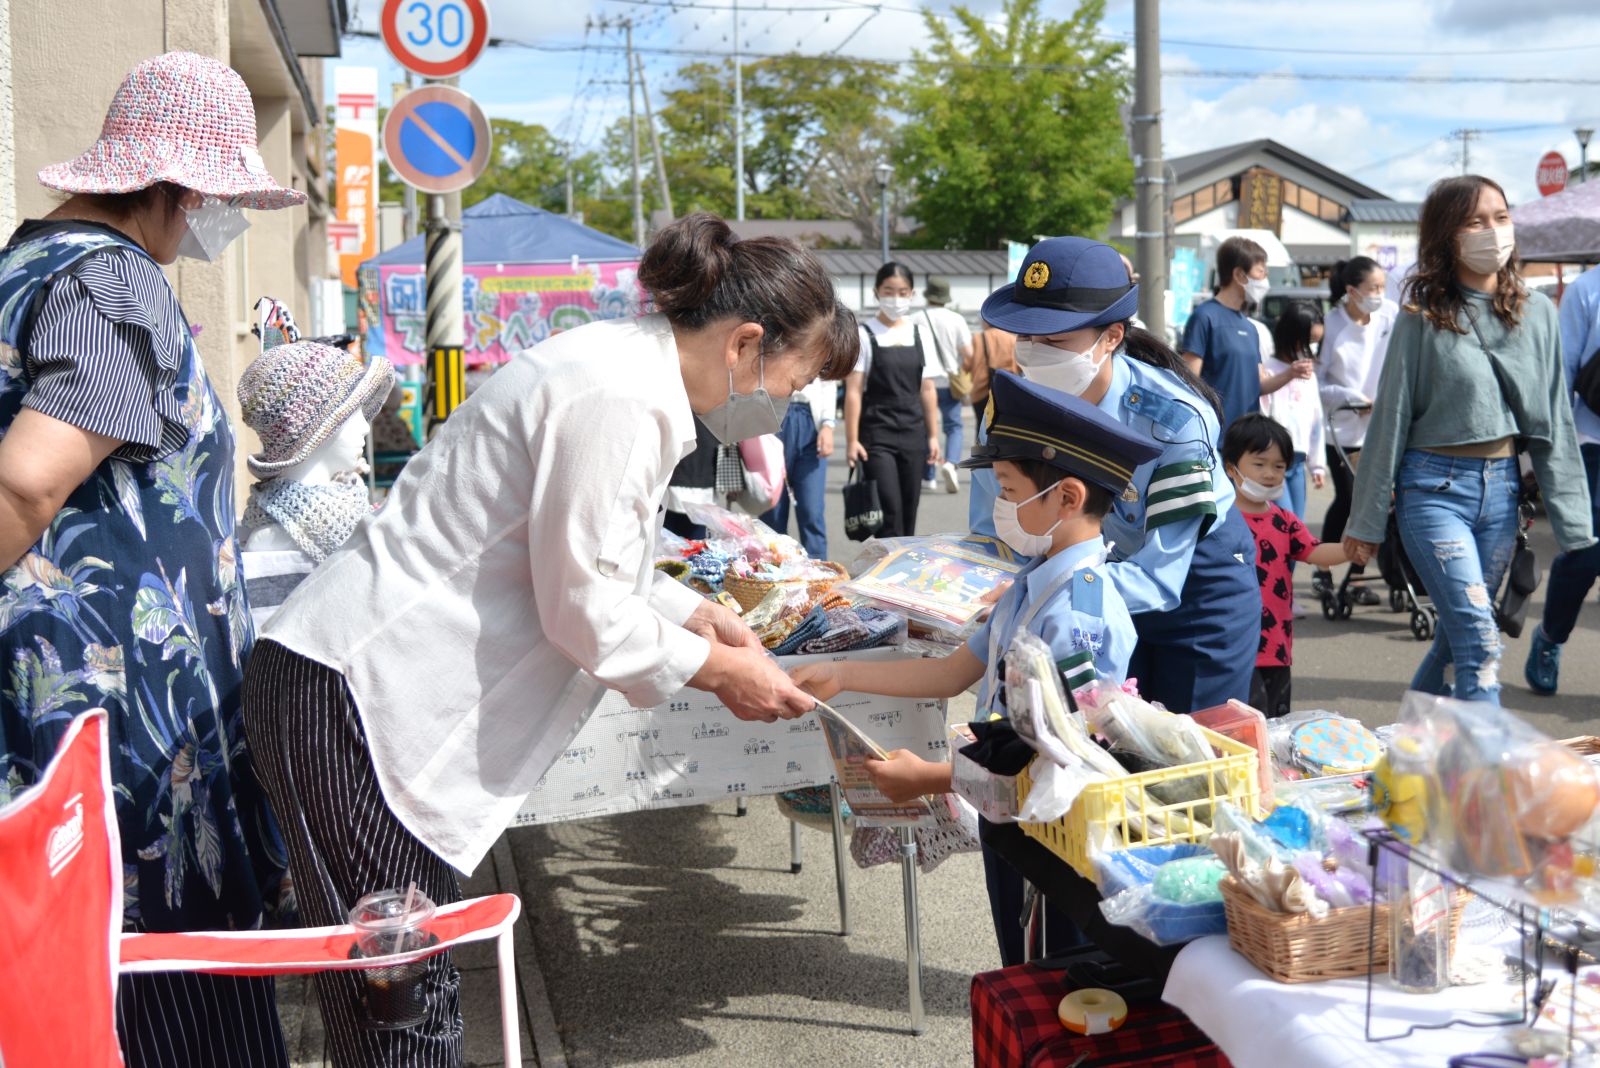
(435, 38)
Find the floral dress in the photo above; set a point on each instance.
(131, 601)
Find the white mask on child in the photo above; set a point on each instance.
(1009, 528)
(1255, 491)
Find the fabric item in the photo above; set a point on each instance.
(1230, 356)
(1349, 365)
(104, 349)
(269, 577)
(1439, 389)
(904, 334)
(1457, 518)
(1200, 654)
(1270, 690)
(1579, 320)
(533, 512)
(807, 483)
(947, 334)
(874, 845)
(992, 350)
(297, 396)
(814, 625)
(1572, 575)
(1280, 539)
(181, 118)
(345, 842)
(896, 465)
(318, 518)
(1007, 894)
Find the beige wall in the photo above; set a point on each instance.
(59, 98)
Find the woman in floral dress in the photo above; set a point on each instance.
(119, 586)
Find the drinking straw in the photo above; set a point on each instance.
(400, 931)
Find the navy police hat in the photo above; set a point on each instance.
(1028, 421)
(1064, 284)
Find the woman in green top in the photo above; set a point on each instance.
(1474, 368)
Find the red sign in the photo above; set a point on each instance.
(435, 38)
(1552, 173)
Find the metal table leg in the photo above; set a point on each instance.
(908, 880)
(836, 801)
(740, 806)
(794, 847)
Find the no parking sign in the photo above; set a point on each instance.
(437, 139)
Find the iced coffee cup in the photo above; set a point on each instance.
(384, 926)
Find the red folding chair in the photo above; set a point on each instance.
(61, 923)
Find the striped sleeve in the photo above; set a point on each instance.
(1177, 492)
(103, 355)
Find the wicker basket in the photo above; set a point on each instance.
(1586, 745)
(749, 591)
(1294, 948)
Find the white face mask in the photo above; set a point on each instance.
(1255, 290)
(1255, 491)
(744, 415)
(1369, 304)
(1009, 528)
(895, 308)
(1070, 372)
(212, 227)
(1486, 251)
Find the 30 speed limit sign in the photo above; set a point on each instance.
(435, 38)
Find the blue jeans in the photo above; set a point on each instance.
(954, 433)
(1294, 483)
(807, 481)
(1458, 520)
(1572, 574)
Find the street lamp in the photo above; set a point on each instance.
(883, 172)
(1583, 133)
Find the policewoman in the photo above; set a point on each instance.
(1181, 555)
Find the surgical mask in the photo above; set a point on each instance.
(1369, 304)
(212, 226)
(1009, 528)
(1259, 493)
(1255, 290)
(1486, 251)
(1057, 368)
(895, 307)
(744, 415)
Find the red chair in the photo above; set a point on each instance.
(61, 923)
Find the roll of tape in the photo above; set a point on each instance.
(1092, 1011)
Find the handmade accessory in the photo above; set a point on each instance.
(318, 518)
(180, 118)
(1335, 745)
(296, 397)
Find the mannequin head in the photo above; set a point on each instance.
(343, 452)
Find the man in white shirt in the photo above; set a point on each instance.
(950, 351)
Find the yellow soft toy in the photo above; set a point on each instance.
(1401, 797)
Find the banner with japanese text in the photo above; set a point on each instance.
(353, 231)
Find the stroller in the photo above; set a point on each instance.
(1406, 592)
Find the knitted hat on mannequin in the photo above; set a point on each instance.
(296, 397)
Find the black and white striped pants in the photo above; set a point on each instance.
(344, 842)
(193, 1020)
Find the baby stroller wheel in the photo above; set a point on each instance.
(1397, 600)
(1421, 625)
(1347, 607)
(1330, 607)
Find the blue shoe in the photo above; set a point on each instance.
(1543, 670)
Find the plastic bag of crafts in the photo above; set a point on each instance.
(1167, 893)
(1315, 743)
(746, 538)
(1144, 737)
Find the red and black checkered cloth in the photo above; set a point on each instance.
(1014, 1025)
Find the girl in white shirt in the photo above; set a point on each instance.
(1296, 407)
(412, 691)
(1355, 342)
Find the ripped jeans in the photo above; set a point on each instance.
(1458, 520)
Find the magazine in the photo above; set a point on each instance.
(936, 580)
(850, 747)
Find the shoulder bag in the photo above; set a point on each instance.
(863, 512)
(960, 378)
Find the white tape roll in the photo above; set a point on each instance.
(1092, 1011)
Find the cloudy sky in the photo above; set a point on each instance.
(1524, 74)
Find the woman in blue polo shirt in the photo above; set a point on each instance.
(1182, 556)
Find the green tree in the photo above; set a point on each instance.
(1016, 130)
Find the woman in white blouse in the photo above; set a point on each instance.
(412, 691)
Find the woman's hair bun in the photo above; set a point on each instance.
(686, 262)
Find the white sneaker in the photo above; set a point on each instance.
(950, 477)
(930, 484)
(1295, 610)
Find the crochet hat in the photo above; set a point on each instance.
(296, 397)
(1064, 284)
(181, 118)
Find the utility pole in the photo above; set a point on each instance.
(408, 193)
(738, 122)
(569, 181)
(446, 334)
(1151, 179)
(655, 142)
(1467, 137)
(633, 145)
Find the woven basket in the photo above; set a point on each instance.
(1295, 948)
(1585, 745)
(749, 591)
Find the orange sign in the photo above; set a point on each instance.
(354, 232)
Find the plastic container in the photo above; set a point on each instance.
(1242, 723)
(395, 997)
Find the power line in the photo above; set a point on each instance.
(1367, 52)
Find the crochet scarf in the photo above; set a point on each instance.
(317, 518)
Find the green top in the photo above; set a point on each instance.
(1439, 389)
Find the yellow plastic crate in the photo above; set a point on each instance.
(1110, 812)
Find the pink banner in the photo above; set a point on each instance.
(508, 308)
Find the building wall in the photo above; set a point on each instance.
(58, 116)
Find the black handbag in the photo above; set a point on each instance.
(1523, 573)
(863, 511)
(1587, 382)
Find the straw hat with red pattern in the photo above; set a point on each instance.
(181, 118)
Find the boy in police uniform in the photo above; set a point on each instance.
(1060, 463)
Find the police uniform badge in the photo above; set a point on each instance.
(1037, 275)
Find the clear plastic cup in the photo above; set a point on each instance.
(395, 995)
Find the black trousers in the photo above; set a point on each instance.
(896, 464)
(344, 842)
(1269, 691)
(190, 1020)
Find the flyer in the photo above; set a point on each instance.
(936, 580)
(850, 747)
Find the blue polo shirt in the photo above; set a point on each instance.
(1230, 355)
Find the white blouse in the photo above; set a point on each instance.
(508, 581)
(1348, 367)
